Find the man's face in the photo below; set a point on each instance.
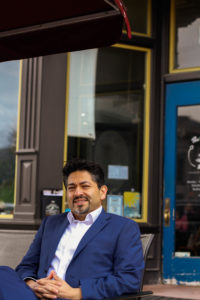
(83, 194)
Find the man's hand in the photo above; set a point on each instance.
(65, 291)
(53, 287)
(45, 288)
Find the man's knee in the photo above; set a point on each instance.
(6, 272)
(12, 287)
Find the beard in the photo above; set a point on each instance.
(81, 209)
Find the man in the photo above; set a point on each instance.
(86, 253)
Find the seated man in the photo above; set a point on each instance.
(83, 254)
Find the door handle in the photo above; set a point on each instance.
(167, 212)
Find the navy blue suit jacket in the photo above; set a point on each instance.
(108, 261)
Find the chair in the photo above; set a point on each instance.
(146, 240)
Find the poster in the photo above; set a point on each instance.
(115, 204)
(132, 205)
(117, 172)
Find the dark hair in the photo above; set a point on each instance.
(94, 169)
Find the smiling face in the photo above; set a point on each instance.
(83, 194)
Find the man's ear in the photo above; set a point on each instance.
(103, 192)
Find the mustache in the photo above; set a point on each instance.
(80, 197)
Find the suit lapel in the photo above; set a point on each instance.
(98, 225)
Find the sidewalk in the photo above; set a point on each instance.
(173, 291)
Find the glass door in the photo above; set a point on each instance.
(181, 243)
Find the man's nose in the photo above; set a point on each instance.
(78, 191)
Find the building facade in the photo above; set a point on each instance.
(133, 108)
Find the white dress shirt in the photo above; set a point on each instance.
(70, 240)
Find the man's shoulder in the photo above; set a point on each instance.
(120, 219)
(122, 225)
(55, 218)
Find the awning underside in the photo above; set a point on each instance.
(29, 29)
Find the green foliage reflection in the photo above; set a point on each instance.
(7, 172)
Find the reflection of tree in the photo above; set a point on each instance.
(7, 169)
(12, 138)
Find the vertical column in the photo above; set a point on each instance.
(29, 130)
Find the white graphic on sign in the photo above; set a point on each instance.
(195, 161)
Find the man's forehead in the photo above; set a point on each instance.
(78, 182)
(79, 177)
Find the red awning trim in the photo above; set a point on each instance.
(120, 6)
(122, 9)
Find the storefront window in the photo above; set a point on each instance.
(9, 85)
(139, 15)
(185, 19)
(107, 109)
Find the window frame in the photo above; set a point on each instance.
(172, 43)
(146, 135)
(149, 23)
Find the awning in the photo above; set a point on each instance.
(35, 28)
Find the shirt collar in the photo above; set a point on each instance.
(90, 218)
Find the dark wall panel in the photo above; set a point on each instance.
(52, 123)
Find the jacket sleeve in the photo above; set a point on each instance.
(128, 266)
(29, 265)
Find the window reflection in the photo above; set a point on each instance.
(188, 182)
(82, 94)
(187, 45)
(139, 15)
(117, 143)
(9, 84)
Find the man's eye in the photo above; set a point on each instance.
(70, 188)
(86, 186)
